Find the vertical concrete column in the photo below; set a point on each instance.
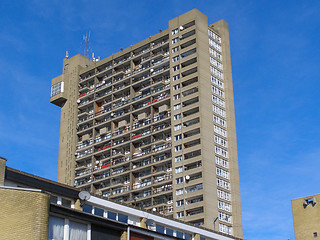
(2, 169)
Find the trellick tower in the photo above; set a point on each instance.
(154, 126)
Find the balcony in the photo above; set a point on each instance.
(141, 153)
(119, 170)
(141, 163)
(84, 153)
(143, 194)
(120, 160)
(121, 130)
(194, 200)
(120, 190)
(156, 148)
(143, 183)
(194, 188)
(190, 91)
(192, 166)
(162, 178)
(103, 84)
(162, 157)
(164, 188)
(84, 144)
(141, 123)
(103, 147)
(82, 172)
(102, 137)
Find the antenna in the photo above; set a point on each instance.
(86, 39)
(86, 44)
(84, 195)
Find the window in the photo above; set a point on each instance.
(57, 88)
(224, 195)
(176, 68)
(225, 217)
(220, 131)
(98, 211)
(218, 101)
(53, 199)
(174, 31)
(122, 218)
(223, 184)
(177, 106)
(187, 236)
(222, 162)
(218, 111)
(179, 180)
(112, 215)
(315, 234)
(59, 226)
(56, 228)
(87, 208)
(179, 234)
(177, 116)
(159, 228)
(66, 203)
(178, 159)
(219, 121)
(178, 137)
(77, 231)
(177, 127)
(220, 141)
(214, 36)
(175, 49)
(176, 97)
(179, 203)
(175, 40)
(179, 170)
(215, 54)
(216, 72)
(215, 45)
(176, 58)
(176, 87)
(176, 77)
(178, 148)
(179, 191)
(180, 214)
(169, 231)
(225, 229)
(217, 91)
(217, 82)
(216, 63)
(220, 151)
(224, 206)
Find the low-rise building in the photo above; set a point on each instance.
(37, 208)
(306, 217)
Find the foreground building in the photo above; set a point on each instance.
(153, 125)
(40, 209)
(306, 217)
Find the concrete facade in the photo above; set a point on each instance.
(153, 125)
(306, 217)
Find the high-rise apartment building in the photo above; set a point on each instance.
(153, 125)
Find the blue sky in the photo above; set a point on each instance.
(275, 60)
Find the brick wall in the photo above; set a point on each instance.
(24, 214)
